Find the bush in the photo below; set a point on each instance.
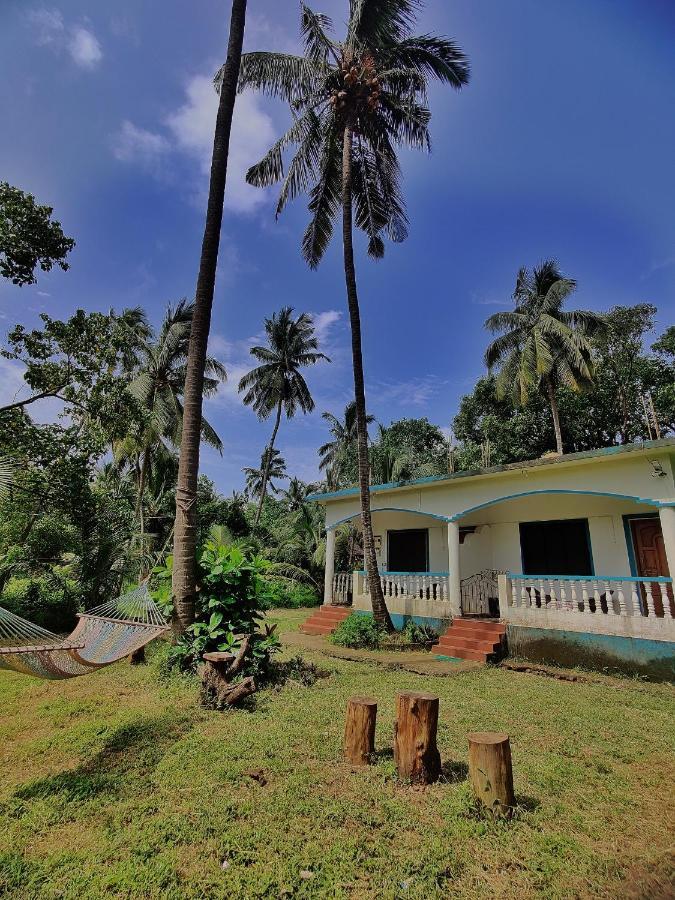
(415, 633)
(230, 598)
(46, 600)
(358, 631)
(282, 594)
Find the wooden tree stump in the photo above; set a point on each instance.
(217, 674)
(359, 744)
(415, 752)
(490, 770)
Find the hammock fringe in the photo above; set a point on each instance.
(103, 636)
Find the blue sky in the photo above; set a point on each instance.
(562, 145)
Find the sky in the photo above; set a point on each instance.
(562, 146)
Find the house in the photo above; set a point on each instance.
(568, 556)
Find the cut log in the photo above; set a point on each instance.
(217, 674)
(415, 752)
(359, 744)
(490, 771)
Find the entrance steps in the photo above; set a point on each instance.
(325, 620)
(479, 639)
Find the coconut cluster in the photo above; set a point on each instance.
(360, 88)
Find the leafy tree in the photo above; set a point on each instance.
(29, 237)
(272, 466)
(185, 527)
(277, 384)
(663, 379)
(337, 455)
(157, 385)
(542, 345)
(353, 103)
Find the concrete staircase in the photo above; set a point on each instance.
(325, 620)
(478, 639)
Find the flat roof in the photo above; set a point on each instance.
(553, 460)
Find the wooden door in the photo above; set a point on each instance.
(650, 557)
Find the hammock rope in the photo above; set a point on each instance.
(102, 636)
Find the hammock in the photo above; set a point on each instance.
(102, 636)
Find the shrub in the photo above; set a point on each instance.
(358, 631)
(282, 594)
(230, 598)
(416, 633)
(50, 601)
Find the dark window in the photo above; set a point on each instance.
(556, 548)
(408, 551)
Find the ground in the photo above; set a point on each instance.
(119, 785)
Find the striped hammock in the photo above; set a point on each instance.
(102, 636)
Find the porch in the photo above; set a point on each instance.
(529, 545)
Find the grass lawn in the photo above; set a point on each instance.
(119, 785)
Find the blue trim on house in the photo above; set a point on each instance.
(400, 621)
(435, 574)
(663, 444)
(415, 512)
(648, 502)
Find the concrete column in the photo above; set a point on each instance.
(455, 589)
(667, 516)
(330, 568)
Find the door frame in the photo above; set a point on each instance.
(630, 542)
(424, 531)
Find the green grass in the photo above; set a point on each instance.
(118, 785)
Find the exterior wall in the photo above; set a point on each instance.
(622, 474)
(631, 655)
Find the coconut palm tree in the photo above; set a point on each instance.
(184, 578)
(354, 103)
(158, 386)
(277, 385)
(542, 344)
(333, 454)
(259, 481)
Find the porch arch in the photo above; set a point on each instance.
(656, 504)
(414, 512)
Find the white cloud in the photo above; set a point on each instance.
(47, 25)
(50, 30)
(133, 144)
(84, 48)
(323, 324)
(414, 392)
(193, 124)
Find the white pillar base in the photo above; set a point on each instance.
(454, 577)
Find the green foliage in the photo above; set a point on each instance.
(419, 633)
(359, 632)
(50, 600)
(372, 86)
(232, 593)
(29, 237)
(285, 594)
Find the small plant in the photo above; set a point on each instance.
(358, 632)
(416, 633)
(232, 593)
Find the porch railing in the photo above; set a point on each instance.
(593, 595)
(420, 585)
(342, 588)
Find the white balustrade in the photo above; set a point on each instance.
(419, 585)
(595, 596)
(342, 587)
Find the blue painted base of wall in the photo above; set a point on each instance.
(440, 625)
(631, 656)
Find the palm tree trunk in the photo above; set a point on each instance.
(553, 400)
(380, 611)
(141, 490)
(268, 463)
(185, 529)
